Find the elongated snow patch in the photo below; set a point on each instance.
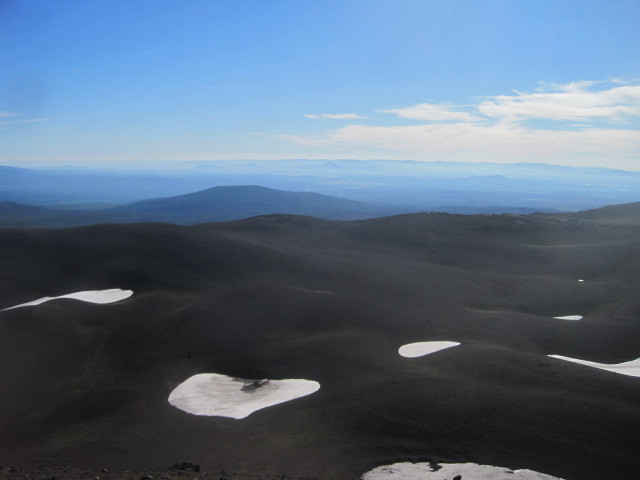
(217, 395)
(570, 317)
(92, 296)
(631, 368)
(419, 349)
(447, 471)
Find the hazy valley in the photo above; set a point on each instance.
(453, 187)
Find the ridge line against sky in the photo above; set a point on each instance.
(453, 80)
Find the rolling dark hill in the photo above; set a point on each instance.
(283, 296)
(211, 205)
(624, 214)
(17, 215)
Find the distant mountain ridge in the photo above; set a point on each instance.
(214, 204)
(228, 203)
(455, 187)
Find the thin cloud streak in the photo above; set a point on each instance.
(434, 113)
(334, 116)
(16, 122)
(14, 119)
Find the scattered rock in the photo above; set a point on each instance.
(253, 386)
(186, 466)
(457, 477)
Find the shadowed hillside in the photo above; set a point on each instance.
(283, 296)
(625, 214)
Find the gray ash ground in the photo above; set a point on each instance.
(88, 385)
(183, 471)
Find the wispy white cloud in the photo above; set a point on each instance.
(334, 116)
(574, 101)
(625, 81)
(433, 113)
(14, 118)
(593, 122)
(26, 120)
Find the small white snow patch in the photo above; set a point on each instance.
(92, 296)
(418, 349)
(570, 317)
(447, 471)
(631, 368)
(581, 280)
(218, 395)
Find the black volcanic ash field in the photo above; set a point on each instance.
(285, 297)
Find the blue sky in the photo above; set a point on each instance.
(95, 82)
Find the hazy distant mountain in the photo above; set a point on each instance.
(403, 185)
(211, 205)
(79, 187)
(232, 203)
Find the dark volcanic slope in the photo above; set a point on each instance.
(624, 214)
(297, 297)
(211, 205)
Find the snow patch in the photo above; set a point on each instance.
(570, 317)
(92, 296)
(418, 349)
(631, 368)
(447, 471)
(212, 394)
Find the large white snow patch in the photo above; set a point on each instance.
(92, 296)
(631, 368)
(419, 349)
(213, 394)
(447, 471)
